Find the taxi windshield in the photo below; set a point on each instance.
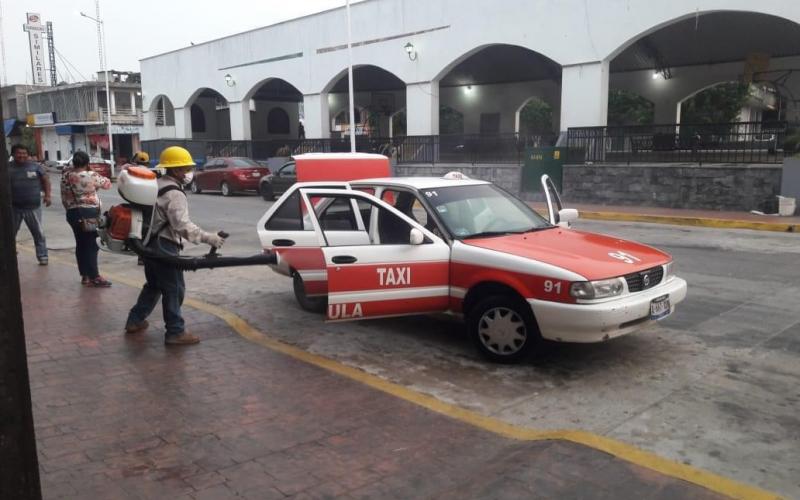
(482, 210)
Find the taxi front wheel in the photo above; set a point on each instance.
(503, 328)
(311, 304)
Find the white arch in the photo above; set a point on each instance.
(341, 74)
(193, 97)
(253, 89)
(466, 55)
(682, 17)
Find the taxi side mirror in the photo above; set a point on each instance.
(567, 215)
(416, 237)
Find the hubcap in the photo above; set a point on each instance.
(502, 331)
(225, 189)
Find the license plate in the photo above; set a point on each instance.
(256, 174)
(659, 307)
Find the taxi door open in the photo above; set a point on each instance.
(379, 261)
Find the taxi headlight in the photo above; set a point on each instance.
(597, 289)
(669, 270)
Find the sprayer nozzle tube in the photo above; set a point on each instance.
(195, 263)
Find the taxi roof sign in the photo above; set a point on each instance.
(313, 167)
(455, 175)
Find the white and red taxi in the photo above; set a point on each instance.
(396, 246)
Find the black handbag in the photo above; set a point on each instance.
(88, 219)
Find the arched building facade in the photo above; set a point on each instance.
(482, 61)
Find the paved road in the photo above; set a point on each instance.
(715, 385)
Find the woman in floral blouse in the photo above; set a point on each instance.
(79, 187)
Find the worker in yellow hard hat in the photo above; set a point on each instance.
(169, 228)
(141, 158)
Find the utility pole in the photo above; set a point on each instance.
(51, 48)
(19, 465)
(4, 75)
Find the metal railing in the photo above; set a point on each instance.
(739, 142)
(462, 148)
(469, 148)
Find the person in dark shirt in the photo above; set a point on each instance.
(28, 181)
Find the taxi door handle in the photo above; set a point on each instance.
(283, 243)
(343, 259)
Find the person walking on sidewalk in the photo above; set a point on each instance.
(170, 226)
(79, 187)
(28, 181)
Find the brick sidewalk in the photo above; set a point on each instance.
(126, 417)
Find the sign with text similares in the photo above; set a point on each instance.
(36, 42)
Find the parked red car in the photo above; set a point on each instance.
(228, 175)
(101, 166)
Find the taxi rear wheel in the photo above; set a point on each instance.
(503, 328)
(312, 304)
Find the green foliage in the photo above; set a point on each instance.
(718, 104)
(628, 108)
(28, 139)
(536, 117)
(791, 145)
(450, 121)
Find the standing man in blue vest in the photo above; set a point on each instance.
(28, 181)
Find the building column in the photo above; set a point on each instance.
(240, 120)
(584, 95)
(113, 102)
(422, 108)
(183, 123)
(316, 116)
(148, 125)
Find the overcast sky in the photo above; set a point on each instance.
(136, 29)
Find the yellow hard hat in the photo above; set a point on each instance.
(174, 157)
(141, 157)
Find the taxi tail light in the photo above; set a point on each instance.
(597, 289)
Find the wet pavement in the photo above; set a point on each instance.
(124, 416)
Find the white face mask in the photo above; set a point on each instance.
(187, 179)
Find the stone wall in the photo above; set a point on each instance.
(506, 176)
(711, 187)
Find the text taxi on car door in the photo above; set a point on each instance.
(394, 246)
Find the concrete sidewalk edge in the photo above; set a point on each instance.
(691, 221)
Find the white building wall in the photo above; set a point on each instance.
(573, 33)
(54, 143)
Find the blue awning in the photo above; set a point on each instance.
(70, 129)
(8, 125)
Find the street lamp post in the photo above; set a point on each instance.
(104, 68)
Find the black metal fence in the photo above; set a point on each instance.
(468, 148)
(461, 148)
(740, 142)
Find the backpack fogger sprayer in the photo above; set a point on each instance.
(129, 227)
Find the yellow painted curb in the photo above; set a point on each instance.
(692, 221)
(705, 479)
